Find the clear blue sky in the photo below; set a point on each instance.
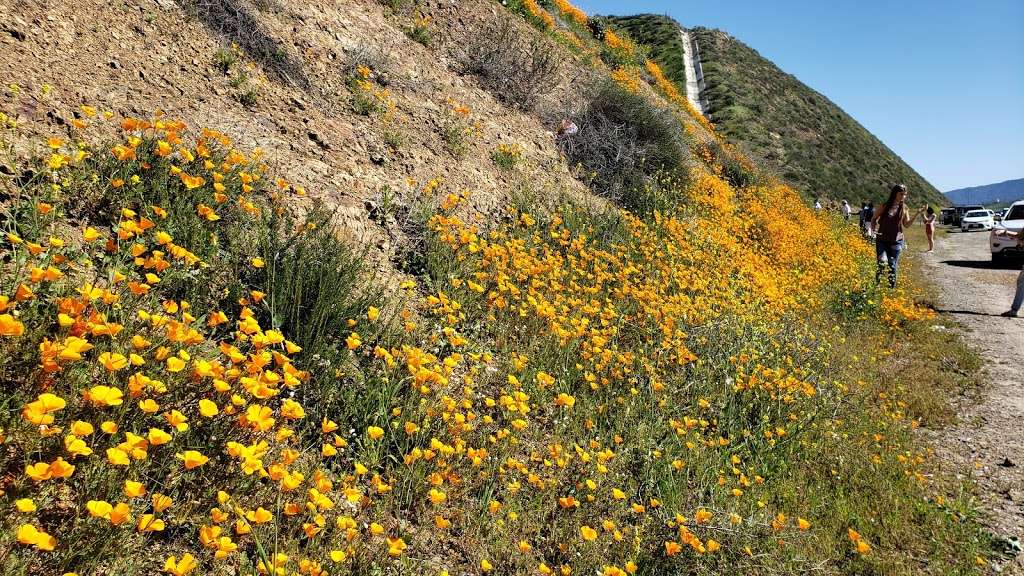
(940, 82)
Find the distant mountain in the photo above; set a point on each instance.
(800, 134)
(1003, 192)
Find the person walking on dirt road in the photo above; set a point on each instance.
(1018, 297)
(889, 221)
(929, 228)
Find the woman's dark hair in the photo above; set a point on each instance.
(931, 210)
(896, 189)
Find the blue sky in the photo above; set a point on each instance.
(940, 82)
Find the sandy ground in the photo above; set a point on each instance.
(987, 442)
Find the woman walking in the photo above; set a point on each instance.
(889, 221)
(929, 227)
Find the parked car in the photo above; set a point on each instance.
(1003, 246)
(947, 216)
(959, 211)
(977, 220)
(1000, 214)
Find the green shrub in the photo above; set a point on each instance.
(249, 98)
(626, 145)
(225, 58)
(315, 284)
(419, 31)
(506, 156)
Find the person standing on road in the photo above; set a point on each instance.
(889, 221)
(1018, 297)
(929, 228)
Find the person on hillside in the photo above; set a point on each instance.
(846, 210)
(869, 216)
(1018, 297)
(888, 222)
(861, 217)
(929, 228)
(817, 203)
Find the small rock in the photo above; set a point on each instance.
(114, 64)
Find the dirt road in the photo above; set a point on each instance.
(988, 440)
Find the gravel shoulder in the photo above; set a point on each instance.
(987, 441)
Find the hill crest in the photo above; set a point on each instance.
(793, 130)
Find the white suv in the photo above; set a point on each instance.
(977, 220)
(1006, 246)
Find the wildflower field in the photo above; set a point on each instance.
(199, 377)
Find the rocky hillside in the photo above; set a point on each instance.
(793, 130)
(383, 287)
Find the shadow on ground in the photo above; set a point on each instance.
(984, 264)
(967, 312)
(237, 22)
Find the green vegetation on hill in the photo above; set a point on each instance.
(661, 35)
(798, 133)
(807, 139)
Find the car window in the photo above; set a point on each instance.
(1015, 213)
(976, 214)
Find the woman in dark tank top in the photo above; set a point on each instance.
(889, 221)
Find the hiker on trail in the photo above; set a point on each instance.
(888, 222)
(929, 228)
(1018, 297)
(846, 210)
(817, 203)
(869, 216)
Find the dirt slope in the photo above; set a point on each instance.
(136, 57)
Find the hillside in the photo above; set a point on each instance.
(794, 131)
(384, 288)
(660, 34)
(799, 133)
(1000, 192)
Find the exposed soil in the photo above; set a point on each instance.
(295, 58)
(987, 442)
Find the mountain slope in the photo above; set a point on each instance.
(800, 134)
(808, 139)
(661, 35)
(1008, 191)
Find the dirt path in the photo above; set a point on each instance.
(988, 440)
